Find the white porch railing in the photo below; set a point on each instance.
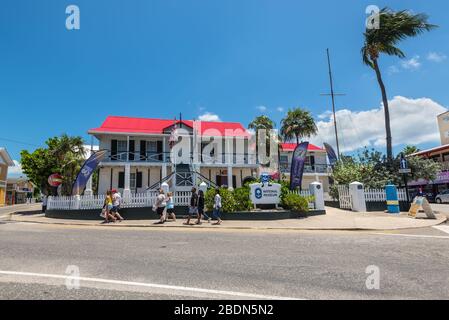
(138, 200)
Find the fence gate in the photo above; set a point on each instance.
(344, 197)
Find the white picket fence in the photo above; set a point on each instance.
(344, 197)
(371, 195)
(138, 200)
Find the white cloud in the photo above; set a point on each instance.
(436, 57)
(262, 108)
(280, 109)
(413, 121)
(16, 170)
(209, 117)
(393, 70)
(412, 64)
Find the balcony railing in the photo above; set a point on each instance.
(165, 157)
(317, 168)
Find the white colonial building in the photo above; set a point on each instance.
(141, 156)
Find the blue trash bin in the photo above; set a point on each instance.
(392, 199)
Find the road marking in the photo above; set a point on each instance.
(411, 235)
(445, 229)
(148, 285)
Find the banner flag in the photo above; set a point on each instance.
(333, 158)
(298, 162)
(86, 171)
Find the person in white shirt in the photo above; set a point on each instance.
(116, 203)
(217, 207)
(159, 206)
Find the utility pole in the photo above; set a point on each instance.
(333, 95)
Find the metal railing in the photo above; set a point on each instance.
(317, 168)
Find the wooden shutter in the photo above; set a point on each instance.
(113, 149)
(121, 180)
(132, 149)
(159, 150)
(143, 149)
(139, 179)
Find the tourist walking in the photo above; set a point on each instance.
(170, 207)
(107, 207)
(200, 206)
(160, 205)
(44, 203)
(216, 213)
(193, 207)
(116, 204)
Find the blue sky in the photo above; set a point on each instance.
(156, 58)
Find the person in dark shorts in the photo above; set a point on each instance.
(160, 205)
(170, 207)
(200, 206)
(193, 207)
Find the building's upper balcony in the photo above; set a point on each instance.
(313, 169)
(166, 158)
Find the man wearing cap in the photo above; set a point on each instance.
(116, 203)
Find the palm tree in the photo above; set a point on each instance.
(260, 123)
(393, 28)
(298, 124)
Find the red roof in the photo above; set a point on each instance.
(292, 147)
(114, 124)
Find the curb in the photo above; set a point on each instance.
(118, 225)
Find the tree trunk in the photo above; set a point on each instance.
(297, 139)
(387, 111)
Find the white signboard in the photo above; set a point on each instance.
(265, 193)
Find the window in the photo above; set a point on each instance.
(122, 146)
(132, 181)
(284, 159)
(152, 146)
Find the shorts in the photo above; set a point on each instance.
(201, 210)
(110, 207)
(170, 210)
(115, 209)
(193, 210)
(160, 210)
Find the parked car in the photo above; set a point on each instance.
(443, 197)
(430, 196)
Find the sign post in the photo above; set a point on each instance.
(405, 171)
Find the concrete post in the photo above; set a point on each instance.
(203, 187)
(357, 193)
(316, 188)
(77, 202)
(165, 187)
(127, 190)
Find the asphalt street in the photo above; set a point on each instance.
(144, 263)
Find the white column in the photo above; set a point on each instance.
(357, 193)
(88, 191)
(203, 187)
(164, 155)
(164, 170)
(127, 148)
(230, 187)
(316, 188)
(127, 190)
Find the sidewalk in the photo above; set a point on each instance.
(335, 219)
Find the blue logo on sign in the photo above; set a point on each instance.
(258, 193)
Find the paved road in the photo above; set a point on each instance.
(198, 264)
(6, 210)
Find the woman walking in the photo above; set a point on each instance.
(217, 207)
(160, 204)
(107, 208)
(200, 206)
(170, 207)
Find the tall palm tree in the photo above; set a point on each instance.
(261, 122)
(298, 124)
(393, 28)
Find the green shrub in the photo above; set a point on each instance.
(241, 197)
(227, 200)
(295, 202)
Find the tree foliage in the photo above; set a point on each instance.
(63, 155)
(297, 124)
